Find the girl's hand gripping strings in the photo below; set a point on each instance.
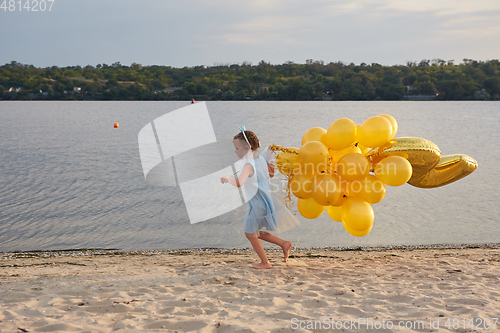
(238, 182)
(224, 179)
(230, 179)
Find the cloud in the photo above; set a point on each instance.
(479, 25)
(359, 21)
(444, 7)
(263, 30)
(347, 7)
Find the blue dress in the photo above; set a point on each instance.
(266, 211)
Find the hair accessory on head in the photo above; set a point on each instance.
(242, 129)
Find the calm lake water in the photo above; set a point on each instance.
(68, 179)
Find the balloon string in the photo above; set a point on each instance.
(288, 176)
(283, 149)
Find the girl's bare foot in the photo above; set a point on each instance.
(262, 266)
(286, 249)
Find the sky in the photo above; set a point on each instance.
(207, 33)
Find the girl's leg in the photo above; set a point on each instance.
(259, 248)
(285, 245)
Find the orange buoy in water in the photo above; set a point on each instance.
(192, 101)
(116, 125)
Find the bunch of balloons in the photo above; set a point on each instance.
(345, 169)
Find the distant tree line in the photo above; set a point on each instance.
(314, 80)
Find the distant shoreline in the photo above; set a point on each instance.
(313, 81)
(249, 101)
(243, 250)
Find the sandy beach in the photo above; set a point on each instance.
(405, 289)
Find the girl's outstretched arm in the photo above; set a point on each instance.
(238, 182)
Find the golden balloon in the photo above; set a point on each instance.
(356, 232)
(302, 185)
(393, 170)
(341, 134)
(326, 189)
(337, 155)
(352, 166)
(315, 134)
(314, 155)
(394, 123)
(357, 214)
(449, 169)
(335, 213)
(309, 208)
(369, 188)
(429, 169)
(342, 197)
(375, 131)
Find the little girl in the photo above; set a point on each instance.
(265, 210)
